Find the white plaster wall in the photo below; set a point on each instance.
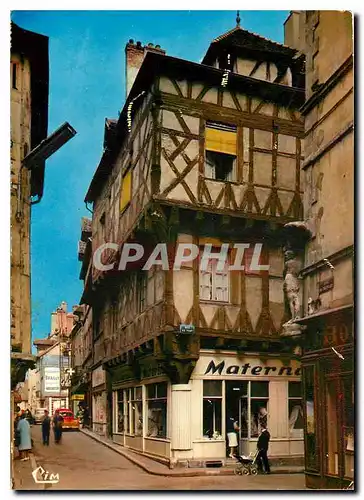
(165, 85)
(286, 172)
(183, 292)
(244, 66)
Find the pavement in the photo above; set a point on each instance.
(82, 463)
(162, 469)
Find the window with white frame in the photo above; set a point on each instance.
(212, 409)
(214, 283)
(157, 410)
(295, 410)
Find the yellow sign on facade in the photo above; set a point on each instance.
(77, 397)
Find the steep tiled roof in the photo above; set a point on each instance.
(249, 33)
(240, 39)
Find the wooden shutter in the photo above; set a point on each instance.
(210, 171)
(221, 141)
(220, 283)
(206, 283)
(125, 194)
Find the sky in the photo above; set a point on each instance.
(87, 84)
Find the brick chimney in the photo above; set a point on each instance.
(135, 53)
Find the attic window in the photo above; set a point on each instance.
(226, 61)
(220, 145)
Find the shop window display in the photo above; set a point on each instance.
(126, 414)
(311, 453)
(212, 409)
(348, 427)
(120, 411)
(332, 451)
(136, 411)
(295, 410)
(157, 410)
(259, 397)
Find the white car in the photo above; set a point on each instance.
(38, 415)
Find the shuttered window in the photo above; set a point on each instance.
(214, 284)
(221, 141)
(220, 145)
(125, 193)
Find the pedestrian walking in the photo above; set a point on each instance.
(86, 417)
(57, 426)
(46, 427)
(262, 445)
(80, 415)
(24, 437)
(232, 434)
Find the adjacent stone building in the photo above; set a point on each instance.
(326, 38)
(29, 77)
(205, 154)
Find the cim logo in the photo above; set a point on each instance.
(42, 476)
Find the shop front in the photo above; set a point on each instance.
(188, 422)
(99, 401)
(328, 376)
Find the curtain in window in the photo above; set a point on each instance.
(221, 141)
(295, 413)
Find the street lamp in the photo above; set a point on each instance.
(50, 145)
(40, 153)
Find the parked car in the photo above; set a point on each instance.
(38, 415)
(69, 420)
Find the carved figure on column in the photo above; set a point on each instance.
(291, 287)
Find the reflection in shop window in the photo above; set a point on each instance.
(332, 452)
(126, 415)
(295, 410)
(157, 410)
(120, 410)
(212, 409)
(137, 411)
(311, 455)
(348, 394)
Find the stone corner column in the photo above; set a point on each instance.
(181, 417)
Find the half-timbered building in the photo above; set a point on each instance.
(206, 154)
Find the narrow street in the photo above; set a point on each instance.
(82, 463)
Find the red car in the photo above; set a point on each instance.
(69, 420)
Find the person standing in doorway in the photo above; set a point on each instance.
(57, 426)
(25, 440)
(46, 427)
(262, 445)
(232, 434)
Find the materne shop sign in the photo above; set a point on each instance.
(225, 366)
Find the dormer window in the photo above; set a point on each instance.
(226, 61)
(220, 157)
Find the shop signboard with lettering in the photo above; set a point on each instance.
(246, 367)
(52, 379)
